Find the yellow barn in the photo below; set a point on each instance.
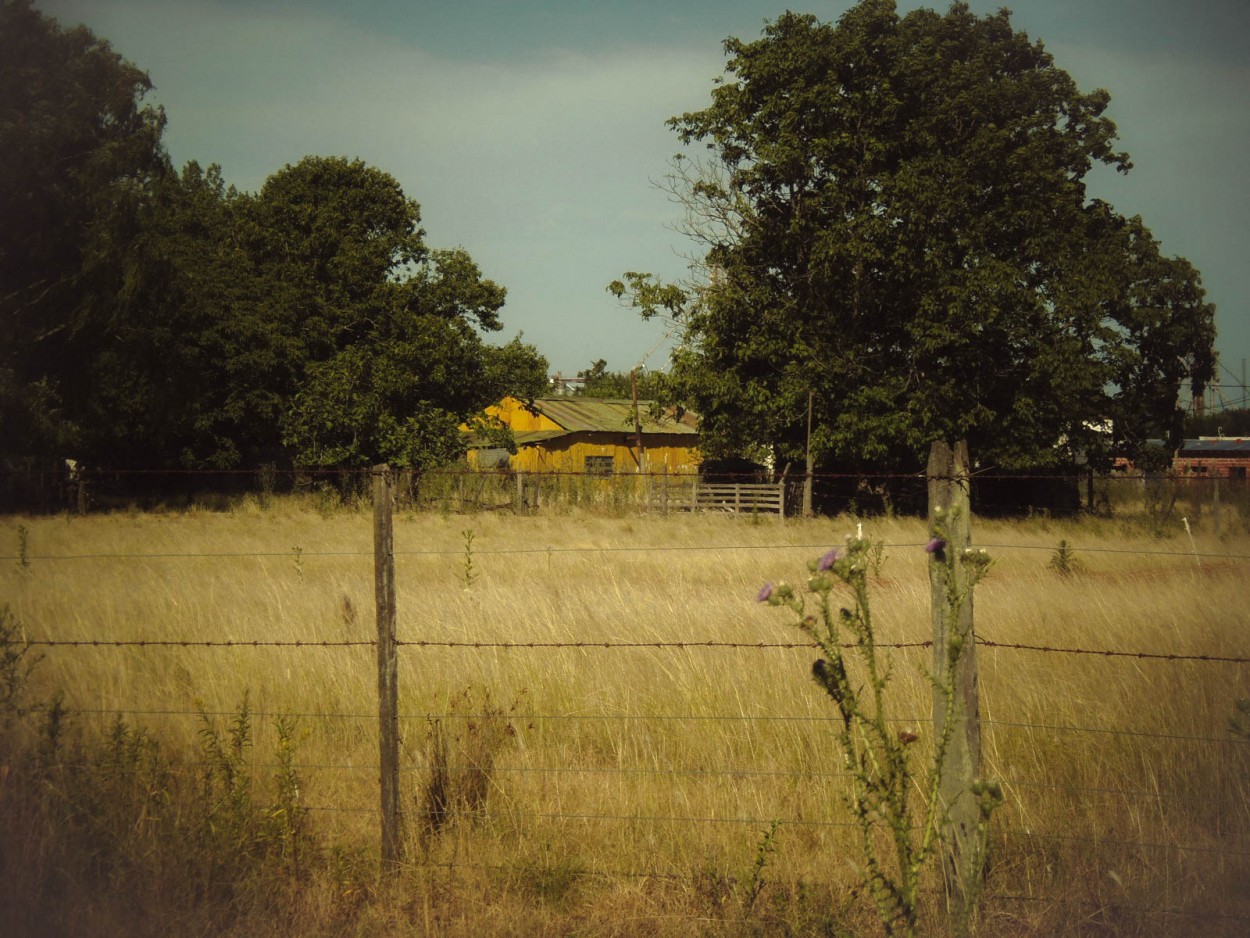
(593, 436)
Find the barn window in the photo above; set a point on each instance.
(492, 458)
(598, 465)
(1237, 472)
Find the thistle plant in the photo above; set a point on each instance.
(896, 803)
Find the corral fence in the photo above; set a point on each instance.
(665, 495)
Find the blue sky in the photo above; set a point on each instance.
(531, 132)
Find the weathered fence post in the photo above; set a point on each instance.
(388, 669)
(950, 510)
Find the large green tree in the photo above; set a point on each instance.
(163, 380)
(894, 219)
(79, 155)
(379, 340)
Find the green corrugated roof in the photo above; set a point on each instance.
(599, 415)
(524, 437)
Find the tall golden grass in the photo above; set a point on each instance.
(635, 786)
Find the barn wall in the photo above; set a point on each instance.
(513, 413)
(568, 453)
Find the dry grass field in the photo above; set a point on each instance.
(611, 790)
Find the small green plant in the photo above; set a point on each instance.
(267, 479)
(549, 875)
(237, 832)
(298, 555)
(1064, 560)
(1239, 723)
(755, 882)
(878, 754)
(468, 573)
(16, 664)
(23, 548)
(227, 822)
(326, 499)
(286, 816)
(876, 557)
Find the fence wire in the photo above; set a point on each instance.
(607, 645)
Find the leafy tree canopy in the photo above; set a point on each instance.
(892, 215)
(390, 330)
(79, 155)
(1233, 422)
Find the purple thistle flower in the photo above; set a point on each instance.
(935, 546)
(827, 561)
(766, 591)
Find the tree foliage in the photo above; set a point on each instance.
(166, 319)
(79, 155)
(598, 381)
(1233, 422)
(893, 216)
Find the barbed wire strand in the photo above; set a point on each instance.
(585, 644)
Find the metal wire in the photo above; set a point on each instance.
(674, 645)
(638, 717)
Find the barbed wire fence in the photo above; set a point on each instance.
(1193, 486)
(386, 645)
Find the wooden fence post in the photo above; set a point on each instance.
(807, 471)
(388, 669)
(950, 509)
(1215, 500)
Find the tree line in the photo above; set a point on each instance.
(155, 317)
(894, 245)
